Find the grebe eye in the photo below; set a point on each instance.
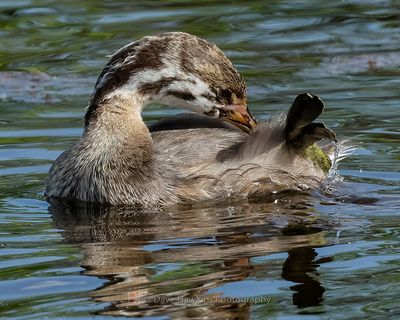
(222, 113)
(225, 95)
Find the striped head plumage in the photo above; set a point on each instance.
(176, 69)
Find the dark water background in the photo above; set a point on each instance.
(328, 256)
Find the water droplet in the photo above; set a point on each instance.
(333, 174)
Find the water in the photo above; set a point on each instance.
(320, 256)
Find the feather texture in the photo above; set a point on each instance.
(186, 159)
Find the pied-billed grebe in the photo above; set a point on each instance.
(119, 161)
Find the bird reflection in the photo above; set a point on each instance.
(296, 268)
(155, 262)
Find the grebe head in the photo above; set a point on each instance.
(176, 69)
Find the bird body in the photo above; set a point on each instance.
(119, 161)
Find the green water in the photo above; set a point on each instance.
(313, 255)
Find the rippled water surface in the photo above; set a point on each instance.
(315, 255)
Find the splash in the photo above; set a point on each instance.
(341, 150)
(333, 174)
